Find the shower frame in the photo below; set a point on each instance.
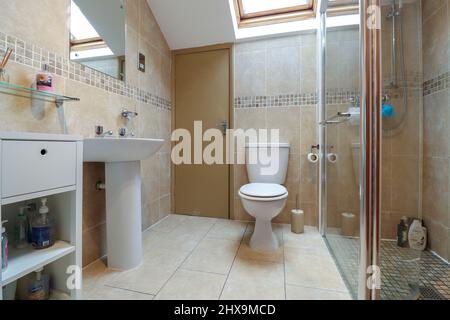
(370, 136)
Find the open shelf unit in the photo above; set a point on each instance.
(34, 177)
(25, 261)
(13, 89)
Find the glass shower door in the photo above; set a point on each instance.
(342, 151)
(371, 147)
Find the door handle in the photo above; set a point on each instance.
(224, 127)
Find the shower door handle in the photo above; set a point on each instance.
(337, 119)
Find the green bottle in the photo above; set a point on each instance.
(21, 229)
(402, 233)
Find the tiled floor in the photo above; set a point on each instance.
(197, 258)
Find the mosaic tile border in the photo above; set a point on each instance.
(412, 80)
(34, 56)
(295, 100)
(436, 84)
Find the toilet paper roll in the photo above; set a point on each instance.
(313, 158)
(333, 158)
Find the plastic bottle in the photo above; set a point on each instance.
(21, 229)
(4, 241)
(44, 80)
(39, 288)
(402, 233)
(42, 233)
(417, 236)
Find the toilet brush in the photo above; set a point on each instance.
(297, 218)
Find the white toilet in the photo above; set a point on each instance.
(265, 197)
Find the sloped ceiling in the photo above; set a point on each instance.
(108, 19)
(194, 23)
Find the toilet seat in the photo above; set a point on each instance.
(263, 191)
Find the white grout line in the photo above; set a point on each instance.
(187, 257)
(202, 271)
(133, 291)
(234, 260)
(321, 289)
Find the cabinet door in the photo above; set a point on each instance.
(33, 166)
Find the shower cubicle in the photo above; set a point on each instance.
(371, 139)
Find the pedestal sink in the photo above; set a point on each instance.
(123, 194)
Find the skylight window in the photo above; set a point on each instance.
(266, 7)
(80, 27)
(85, 41)
(262, 12)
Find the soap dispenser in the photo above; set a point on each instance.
(42, 233)
(21, 229)
(4, 243)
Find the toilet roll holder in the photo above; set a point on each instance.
(313, 157)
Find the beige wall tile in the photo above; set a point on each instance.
(287, 121)
(131, 62)
(94, 210)
(405, 184)
(94, 244)
(250, 73)
(283, 66)
(132, 11)
(435, 44)
(429, 7)
(436, 190)
(50, 30)
(436, 120)
(438, 238)
(308, 82)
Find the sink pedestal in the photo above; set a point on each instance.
(123, 158)
(123, 215)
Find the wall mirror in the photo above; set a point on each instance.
(97, 35)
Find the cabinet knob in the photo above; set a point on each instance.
(44, 152)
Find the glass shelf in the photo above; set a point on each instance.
(31, 93)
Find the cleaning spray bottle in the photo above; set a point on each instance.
(417, 236)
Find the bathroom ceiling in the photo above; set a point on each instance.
(194, 23)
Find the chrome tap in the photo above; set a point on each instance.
(129, 114)
(99, 132)
(125, 133)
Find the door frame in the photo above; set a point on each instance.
(225, 46)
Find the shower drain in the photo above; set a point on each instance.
(430, 293)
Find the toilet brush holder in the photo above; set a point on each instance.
(297, 221)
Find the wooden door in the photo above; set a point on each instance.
(202, 93)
